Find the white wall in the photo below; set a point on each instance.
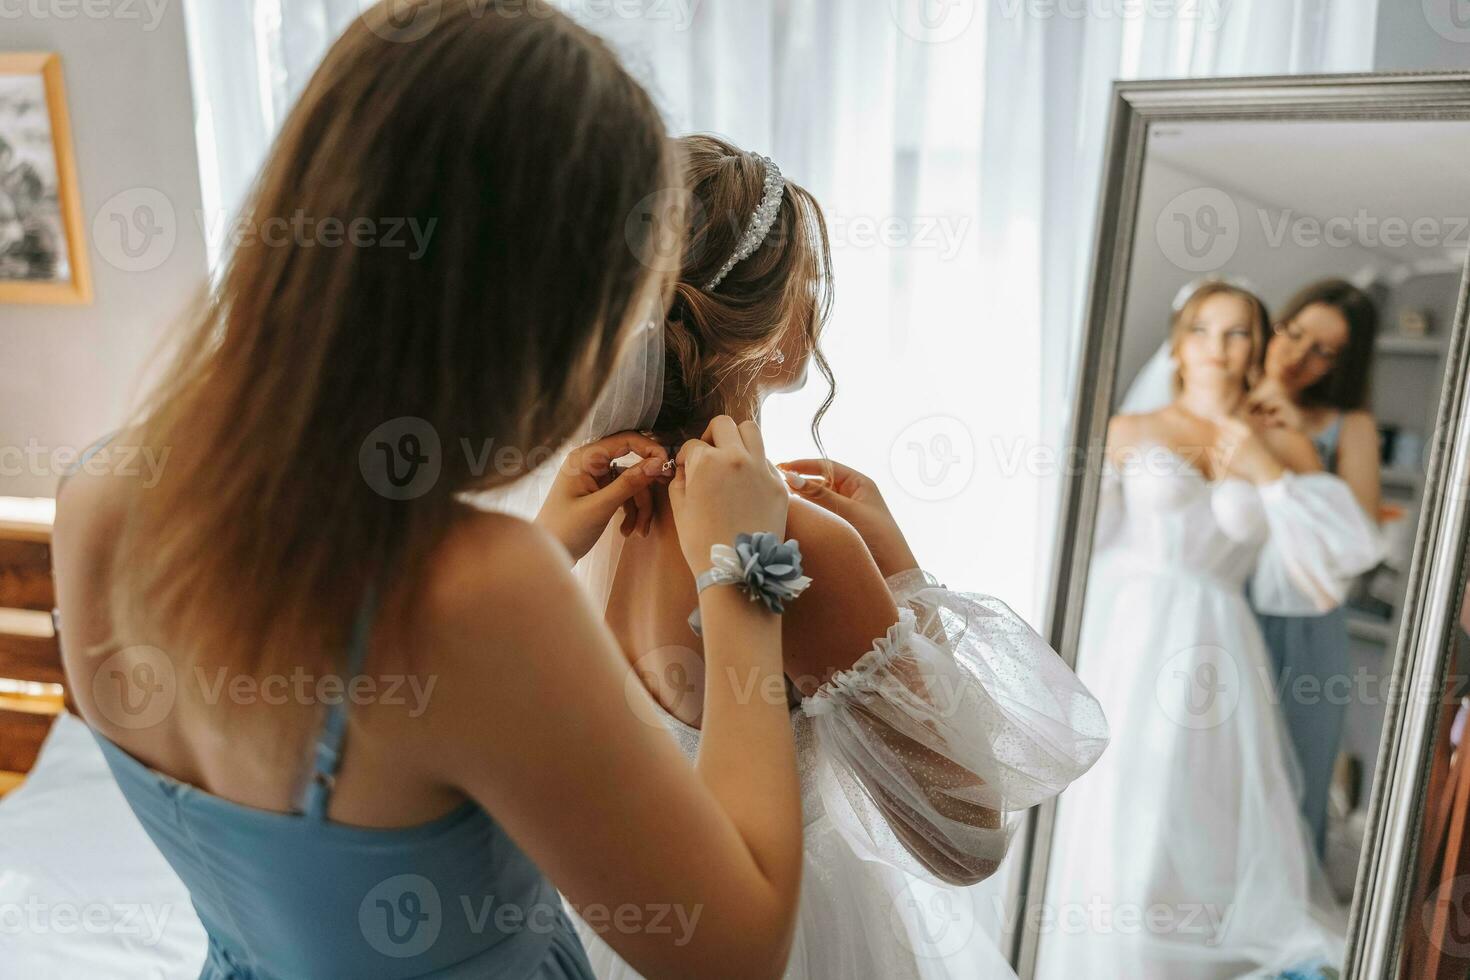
(1419, 35)
(69, 373)
(1276, 271)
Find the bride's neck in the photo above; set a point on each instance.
(740, 407)
(1209, 402)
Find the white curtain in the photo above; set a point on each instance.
(955, 146)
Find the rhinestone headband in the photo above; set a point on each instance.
(760, 222)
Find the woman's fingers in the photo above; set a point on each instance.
(755, 443)
(722, 432)
(596, 457)
(643, 501)
(626, 487)
(691, 449)
(815, 467)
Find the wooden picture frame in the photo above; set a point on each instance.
(43, 246)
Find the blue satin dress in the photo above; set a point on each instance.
(285, 896)
(1314, 647)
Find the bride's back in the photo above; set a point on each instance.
(829, 627)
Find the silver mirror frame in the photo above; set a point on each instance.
(1395, 808)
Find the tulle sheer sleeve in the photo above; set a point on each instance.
(1319, 541)
(930, 746)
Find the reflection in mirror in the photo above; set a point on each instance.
(1436, 933)
(1288, 305)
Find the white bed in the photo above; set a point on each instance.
(84, 894)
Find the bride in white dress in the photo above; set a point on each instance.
(1181, 855)
(926, 720)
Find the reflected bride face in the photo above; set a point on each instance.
(1215, 347)
(1304, 351)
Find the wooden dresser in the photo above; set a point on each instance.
(31, 692)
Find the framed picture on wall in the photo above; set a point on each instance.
(43, 251)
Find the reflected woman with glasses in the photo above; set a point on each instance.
(1316, 376)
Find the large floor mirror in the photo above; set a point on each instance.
(1260, 572)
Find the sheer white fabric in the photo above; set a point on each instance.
(1292, 577)
(936, 740)
(630, 400)
(1182, 853)
(1153, 387)
(1309, 563)
(914, 765)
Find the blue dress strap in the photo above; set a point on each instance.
(84, 458)
(1326, 443)
(327, 756)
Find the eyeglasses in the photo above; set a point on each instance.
(1296, 335)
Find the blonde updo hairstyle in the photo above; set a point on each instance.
(1260, 326)
(732, 331)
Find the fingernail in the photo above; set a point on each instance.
(796, 480)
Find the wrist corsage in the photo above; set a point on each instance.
(761, 565)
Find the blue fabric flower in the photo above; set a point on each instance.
(771, 568)
(761, 565)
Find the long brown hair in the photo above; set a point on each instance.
(1347, 385)
(785, 284)
(517, 138)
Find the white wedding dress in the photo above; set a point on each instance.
(960, 703)
(1181, 855)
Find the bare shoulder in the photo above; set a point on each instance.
(492, 568)
(500, 612)
(1359, 426)
(827, 537)
(90, 505)
(91, 512)
(1131, 432)
(848, 604)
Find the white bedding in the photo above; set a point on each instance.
(83, 891)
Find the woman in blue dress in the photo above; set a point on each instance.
(373, 729)
(1316, 379)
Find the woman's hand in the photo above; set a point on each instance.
(854, 498)
(724, 486)
(1270, 405)
(1240, 451)
(588, 491)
